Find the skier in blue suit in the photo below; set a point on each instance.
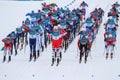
(32, 40)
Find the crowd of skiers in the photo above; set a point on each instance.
(110, 29)
(88, 32)
(49, 24)
(58, 26)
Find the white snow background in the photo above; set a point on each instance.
(12, 13)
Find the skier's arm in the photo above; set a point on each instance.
(28, 14)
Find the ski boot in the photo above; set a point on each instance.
(9, 59)
(4, 58)
(106, 55)
(42, 48)
(111, 55)
(85, 60)
(30, 57)
(81, 55)
(15, 52)
(60, 56)
(11, 51)
(80, 60)
(52, 62)
(58, 60)
(38, 54)
(65, 48)
(34, 57)
(55, 56)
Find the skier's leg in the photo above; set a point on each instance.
(107, 51)
(30, 43)
(86, 52)
(22, 42)
(9, 53)
(53, 56)
(38, 45)
(12, 48)
(4, 55)
(111, 51)
(26, 39)
(49, 39)
(34, 49)
(18, 39)
(81, 53)
(65, 41)
(15, 46)
(45, 40)
(43, 43)
(58, 55)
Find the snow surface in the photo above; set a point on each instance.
(97, 68)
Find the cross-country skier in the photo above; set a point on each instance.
(32, 40)
(25, 31)
(57, 35)
(7, 47)
(33, 16)
(69, 23)
(110, 39)
(20, 37)
(46, 29)
(114, 14)
(116, 5)
(27, 22)
(38, 39)
(101, 11)
(54, 17)
(89, 24)
(83, 44)
(110, 24)
(63, 25)
(46, 9)
(96, 16)
(83, 6)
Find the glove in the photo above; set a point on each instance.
(104, 39)
(27, 14)
(40, 34)
(113, 45)
(105, 46)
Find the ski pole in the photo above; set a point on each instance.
(25, 48)
(90, 54)
(104, 51)
(114, 52)
(77, 53)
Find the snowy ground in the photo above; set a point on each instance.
(97, 68)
